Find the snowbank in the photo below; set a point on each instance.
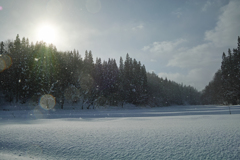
(178, 132)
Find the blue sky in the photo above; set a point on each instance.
(177, 39)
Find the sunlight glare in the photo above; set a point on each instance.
(47, 34)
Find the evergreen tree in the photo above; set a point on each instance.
(224, 88)
(40, 69)
(121, 92)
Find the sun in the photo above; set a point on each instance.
(46, 33)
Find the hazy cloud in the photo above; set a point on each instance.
(206, 5)
(163, 47)
(224, 34)
(204, 59)
(195, 77)
(139, 27)
(200, 55)
(153, 60)
(178, 12)
(218, 39)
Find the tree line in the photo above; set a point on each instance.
(29, 71)
(225, 86)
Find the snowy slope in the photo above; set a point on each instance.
(180, 132)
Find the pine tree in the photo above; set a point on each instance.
(17, 64)
(228, 77)
(2, 48)
(86, 80)
(98, 79)
(121, 92)
(143, 85)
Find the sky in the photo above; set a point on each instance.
(182, 40)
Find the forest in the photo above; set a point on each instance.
(225, 86)
(28, 71)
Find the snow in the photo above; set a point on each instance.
(176, 132)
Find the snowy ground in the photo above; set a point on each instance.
(177, 132)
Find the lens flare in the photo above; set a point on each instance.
(8, 60)
(47, 102)
(5, 62)
(2, 65)
(1, 8)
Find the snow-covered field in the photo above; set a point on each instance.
(176, 132)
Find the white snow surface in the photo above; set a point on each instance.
(175, 132)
